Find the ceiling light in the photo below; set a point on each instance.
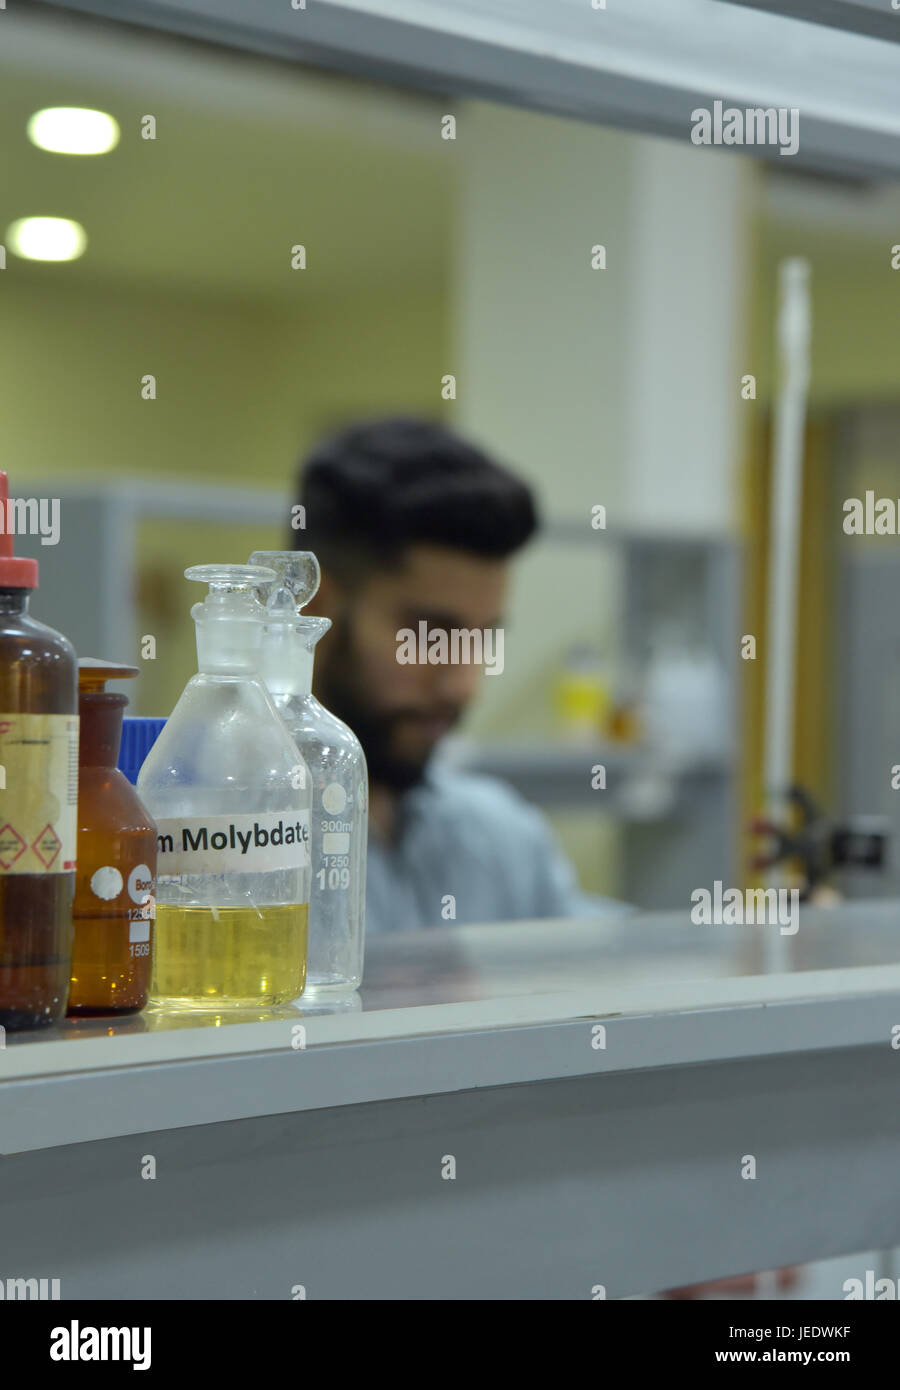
(46, 238)
(73, 130)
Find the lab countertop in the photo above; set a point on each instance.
(463, 1007)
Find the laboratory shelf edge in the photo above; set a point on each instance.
(114, 1086)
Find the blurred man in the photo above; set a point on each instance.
(414, 529)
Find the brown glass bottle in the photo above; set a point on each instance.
(38, 791)
(116, 881)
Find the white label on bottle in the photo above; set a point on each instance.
(140, 884)
(334, 798)
(249, 844)
(106, 882)
(38, 808)
(335, 844)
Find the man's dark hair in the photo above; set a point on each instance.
(383, 485)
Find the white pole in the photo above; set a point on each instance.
(793, 334)
(794, 319)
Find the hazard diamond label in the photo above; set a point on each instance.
(11, 845)
(47, 845)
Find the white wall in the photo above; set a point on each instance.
(540, 364)
(618, 386)
(686, 335)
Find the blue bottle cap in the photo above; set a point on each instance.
(138, 737)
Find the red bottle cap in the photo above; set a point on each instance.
(16, 572)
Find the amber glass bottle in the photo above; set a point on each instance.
(116, 884)
(38, 795)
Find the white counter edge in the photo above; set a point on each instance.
(496, 1043)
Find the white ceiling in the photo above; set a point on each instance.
(254, 155)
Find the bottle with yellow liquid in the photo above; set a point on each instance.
(114, 884)
(230, 793)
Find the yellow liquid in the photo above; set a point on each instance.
(233, 956)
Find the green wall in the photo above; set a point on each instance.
(242, 391)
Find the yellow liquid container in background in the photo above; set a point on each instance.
(583, 696)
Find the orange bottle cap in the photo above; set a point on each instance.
(94, 673)
(16, 571)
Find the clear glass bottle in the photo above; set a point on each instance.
(229, 791)
(337, 769)
(38, 798)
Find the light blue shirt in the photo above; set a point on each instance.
(470, 844)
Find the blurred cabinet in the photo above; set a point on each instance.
(679, 817)
(116, 574)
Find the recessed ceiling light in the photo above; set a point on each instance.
(46, 238)
(73, 130)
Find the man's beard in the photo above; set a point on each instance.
(375, 730)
